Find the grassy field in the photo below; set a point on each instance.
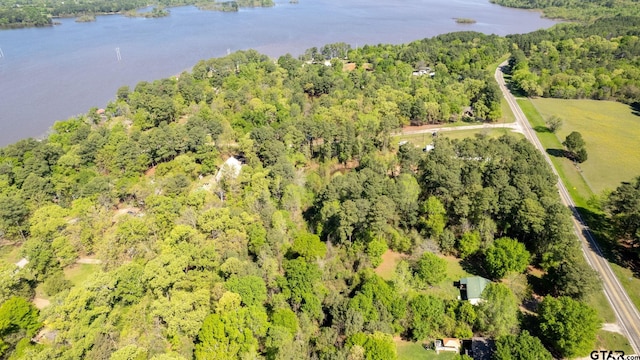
(607, 340)
(445, 288)
(408, 350)
(573, 179)
(507, 114)
(611, 131)
(426, 138)
(10, 253)
(79, 273)
(387, 269)
(599, 302)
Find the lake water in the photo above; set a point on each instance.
(50, 74)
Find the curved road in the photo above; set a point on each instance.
(626, 313)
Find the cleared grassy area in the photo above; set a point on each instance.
(426, 138)
(387, 269)
(493, 133)
(607, 340)
(408, 350)
(611, 131)
(10, 253)
(79, 273)
(599, 302)
(507, 114)
(576, 185)
(445, 288)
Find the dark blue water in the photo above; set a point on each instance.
(50, 74)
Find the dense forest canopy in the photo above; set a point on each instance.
(278, 260)
(581, 10)
(598, 61)
(26, 13)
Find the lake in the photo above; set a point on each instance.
(53, 73)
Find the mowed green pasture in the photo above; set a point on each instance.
(611, 132)
(606, 340)
(426, 138)
(10, 253)
(571, 177)
(79, 273)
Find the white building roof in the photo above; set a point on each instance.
(231, 168)
(22, 263)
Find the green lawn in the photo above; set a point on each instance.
(489, 132)
(572, 178)
(611, 132)
(10, 253)
(599, 302)
(390, 260)
(445, 288)
(408, 350)
(607, 340)
(79, 273)
(426, 138)
(507, 114)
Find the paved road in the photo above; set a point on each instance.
(626, 313)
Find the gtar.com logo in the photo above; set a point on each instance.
(612, 355)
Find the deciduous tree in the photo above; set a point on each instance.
(498, 313)
(568, 326)
(576, 147)
(506, 255)
(430, 268)
(523, 346)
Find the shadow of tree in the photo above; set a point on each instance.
(530, 322)
(541, 129)
(635, 108)
(557, 152)
(474, 264)
(516, 91)
(538, 285)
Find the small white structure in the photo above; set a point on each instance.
(424, 71)
(230, 168)
(448, 344)
(22, 263)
